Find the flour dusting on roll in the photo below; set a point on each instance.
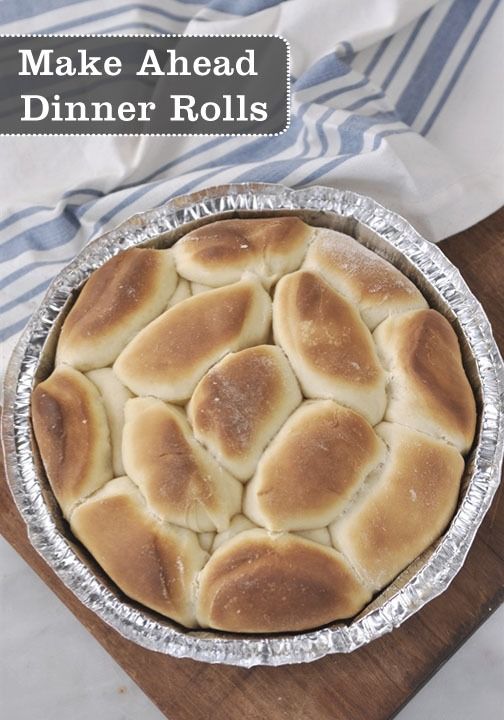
(155, 564)
(219, 253)
(73, 435)
(117, 301)
(371, 283)
(406, 508)
(328, 345)
(241, 403)
(171, 354)
(180, 480)
(429, 390)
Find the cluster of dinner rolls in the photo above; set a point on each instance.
(257, 429)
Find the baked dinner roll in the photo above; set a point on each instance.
(260, 582)
(114, 396)
(307, 475)
(429, 390)
(115, 303)
(181, 482)
(329, 347)
(264, 438)
(72, 434)
(371, 283)
(406, 507)
(219, 253)
(241, 403)
(169, 356)
(154, 563)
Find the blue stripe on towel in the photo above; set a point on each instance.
(13, 276)
(407, 47)
(10, 330)
(94, 17)
(458, 71)
(27, 295)
(11, 10)
(45, 236)
(435, 58)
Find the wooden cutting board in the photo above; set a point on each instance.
(372, 683)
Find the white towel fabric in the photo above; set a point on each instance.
(397, 99)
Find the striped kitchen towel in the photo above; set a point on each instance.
(397, 99)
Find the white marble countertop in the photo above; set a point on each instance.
(51, 667)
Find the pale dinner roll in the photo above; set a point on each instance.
(320, 535)
(375, 286)
(171, 354)
(72, 434)
(237, 525)
(318, 460)
(114, 396)
(117, 301)
(182, 292)
(180, 480)
(206, 540)
(219, 253)
(259, 582)
(406, 507)
(154, 563)
(241, 403)
(329, 347)
(429, 390)
(197, 288)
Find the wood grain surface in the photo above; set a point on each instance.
(372, 683)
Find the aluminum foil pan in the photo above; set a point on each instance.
(378, 228)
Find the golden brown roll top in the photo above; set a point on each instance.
(263, 582)
(405, 509)
(72, 434)
(308, 473)
(154, 563)
(169, 356)
(375, 286)
(241, 403)
(329, 347)
(429, 390)
(115, 303)
(181, 482)
(219, 253)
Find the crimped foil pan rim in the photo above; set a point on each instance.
(162, 635)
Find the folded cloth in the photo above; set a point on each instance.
(397, 99)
